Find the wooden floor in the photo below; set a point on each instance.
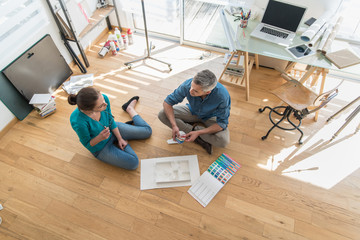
(52, 188)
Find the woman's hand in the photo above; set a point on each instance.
(122, 143)
(104, 134)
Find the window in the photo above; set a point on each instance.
(350, 27)
(19, 20)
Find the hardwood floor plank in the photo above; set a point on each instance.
(169, 208)
(55, 163)
(313, 232)
(15, 180)
(187, 230)
(260, 213)
(38, 224)
(226, 230)
(52, 187)
(275, 233)
(5, 234)
(335, 225)
(217, 209)
(300, 200)
(23, 186)
(138, 210)
(103, 212)
(92, 224)
(282, 207)
(171, 194)
(150, 231)
(120, 189)
(33, 231)
(65, 181)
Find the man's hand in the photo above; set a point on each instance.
(191, 136)
(175, 132)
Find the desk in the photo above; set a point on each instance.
(256, 46)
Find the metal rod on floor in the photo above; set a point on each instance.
(148, 48)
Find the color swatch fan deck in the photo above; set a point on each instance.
(213, 179)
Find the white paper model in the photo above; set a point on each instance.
(167, 172)
(172, 171)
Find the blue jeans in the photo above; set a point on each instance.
(126, 158)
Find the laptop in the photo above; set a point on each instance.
(279, 23)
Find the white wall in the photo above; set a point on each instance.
(5, 114)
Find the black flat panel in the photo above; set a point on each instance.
(40, 69)
(12, 99)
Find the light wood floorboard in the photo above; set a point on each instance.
(51, 187)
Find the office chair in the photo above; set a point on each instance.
(300, 101)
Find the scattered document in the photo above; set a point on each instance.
(169, 172)
(213, 179)
(76, 83)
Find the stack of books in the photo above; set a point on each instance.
(44, 104)
(235, 70)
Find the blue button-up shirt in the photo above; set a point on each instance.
(216, 104)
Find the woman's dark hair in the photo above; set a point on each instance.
(85, 99)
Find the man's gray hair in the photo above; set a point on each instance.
(206, 79)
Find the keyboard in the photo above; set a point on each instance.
(274, 32)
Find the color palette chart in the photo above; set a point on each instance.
(213, 179)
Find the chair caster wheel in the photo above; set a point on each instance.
(261, 110)
(300, 143)
(170, 69)
(263, 138)
(129, 66)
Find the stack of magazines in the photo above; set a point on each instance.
(44, 104)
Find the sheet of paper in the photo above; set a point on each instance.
(153, 176)
(40, 98)
(205, 189)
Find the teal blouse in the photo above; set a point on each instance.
(87, 128)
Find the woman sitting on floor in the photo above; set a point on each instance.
(100, 134)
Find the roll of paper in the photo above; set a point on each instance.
(318, 35)
(325, 37)
(310, 33)
(332, 36)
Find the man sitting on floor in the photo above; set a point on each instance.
(209, 105)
